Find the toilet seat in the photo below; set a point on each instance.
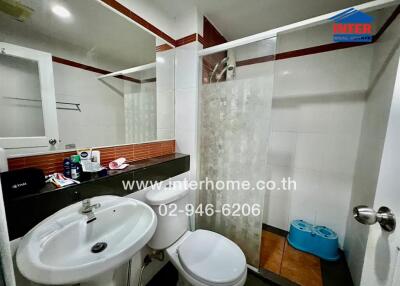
(209, 259)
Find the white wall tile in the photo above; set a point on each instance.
(165, 71)
(282, 149)
(340, 153)
(186, 109)
(101, 121)
(284, 115)
(333, 201)
(165, 110)
(277, 207)
(304, 198)
(347, 113)
(186, 66)
(310, 150)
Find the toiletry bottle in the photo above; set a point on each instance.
(76, 168)
(67, 167)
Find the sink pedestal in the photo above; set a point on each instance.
(104, 279)
(63, 249)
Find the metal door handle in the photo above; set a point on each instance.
(368, 216)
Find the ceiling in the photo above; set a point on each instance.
(239, 18)
(94, 28)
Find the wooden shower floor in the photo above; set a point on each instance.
(280, 258)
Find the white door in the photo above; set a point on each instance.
(382, 258)
(28, 117)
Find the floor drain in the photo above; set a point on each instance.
(99, 247)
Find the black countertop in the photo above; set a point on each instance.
(135, 166)
(25, 212)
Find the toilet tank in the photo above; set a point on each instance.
(169, 205)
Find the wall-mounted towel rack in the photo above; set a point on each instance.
(77, 105)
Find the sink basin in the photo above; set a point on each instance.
(65, 249)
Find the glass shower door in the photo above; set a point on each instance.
(235, 114)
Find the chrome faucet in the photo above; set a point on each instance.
(87, 209)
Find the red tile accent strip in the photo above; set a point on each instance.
(163, 47)
(211, 36)
(90, 68)
(51, 163)
(201, 40)
(186, 40)
(299, 53)
(128, 78)
(317, 50)
(148, 80)
(255, 60)
(135, 17)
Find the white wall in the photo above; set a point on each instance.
(374, 126)
(165, 62)
(101, 122)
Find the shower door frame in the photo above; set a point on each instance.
(373, 5)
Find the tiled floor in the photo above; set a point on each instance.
(272, 247)
(279, 257)
(168, 276)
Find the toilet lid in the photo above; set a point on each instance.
(212, 258)
(167, 194)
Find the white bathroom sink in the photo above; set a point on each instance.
(59, 249)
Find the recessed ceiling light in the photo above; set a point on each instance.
(61, 11)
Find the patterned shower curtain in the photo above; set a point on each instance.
(140, 112)
(234, 131)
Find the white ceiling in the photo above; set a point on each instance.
(239, 18)
(95, 28)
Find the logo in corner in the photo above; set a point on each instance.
(352, 26)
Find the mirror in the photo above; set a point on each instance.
(104, 74)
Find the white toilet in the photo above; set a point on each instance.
(203, 258)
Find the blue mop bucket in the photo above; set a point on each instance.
(318, 240)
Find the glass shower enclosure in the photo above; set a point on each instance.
(235, 113)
